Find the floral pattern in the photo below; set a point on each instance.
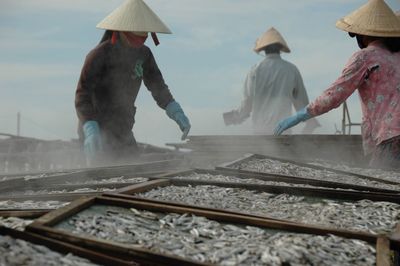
(375, 73)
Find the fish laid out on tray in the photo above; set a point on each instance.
(203, 240)
(16, 252)
(364, 215)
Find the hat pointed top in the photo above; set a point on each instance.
(271, 36)
(133, 15)
(375, 18)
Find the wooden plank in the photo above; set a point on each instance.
(140, 254)
(68, 187)
(141, 187)
(315, 193)
(280, 178)
(237, 218)
(65, 248)
(95, 174)
(337, 148)
(45, 197)
(301, 191)
(243, 159)
(26, 214)
(60, 214)
(383, 251)
(143, 256)
(64, 212)
(309, 181)
(282, 138)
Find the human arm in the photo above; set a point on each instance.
(175, 112)
(154, 81)
(239, 115)
(92, 144)
(84, 106)
(91, 74)
(351, 78)
(300, 100)
(291, 121)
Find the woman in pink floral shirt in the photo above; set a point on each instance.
(375, 72)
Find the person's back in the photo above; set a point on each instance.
(276, 87)
(271, 88)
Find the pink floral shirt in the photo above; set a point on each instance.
(375, 73)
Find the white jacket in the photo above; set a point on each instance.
(270, 89)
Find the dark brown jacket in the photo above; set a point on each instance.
(108, 87)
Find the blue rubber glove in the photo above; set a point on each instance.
(175, 112)
(92, 144)
(291, 121)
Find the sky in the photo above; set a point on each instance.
(43, 44)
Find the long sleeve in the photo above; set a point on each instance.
(300, 100)
(89, 78)
(154, 82)
(300, 97)
(246, 106)
(352, 77)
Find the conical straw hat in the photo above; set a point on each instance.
(398, 13)
(133, 15)
(271, 36)
(375, 18)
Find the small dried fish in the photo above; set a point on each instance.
(15, 223)
(279, 167)
(16, 252)
(378, 173)
(234, 179)
(119, 179)
(30, 204)
(362, 215)
(200, 239)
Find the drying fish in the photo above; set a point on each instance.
(15, 223)
(234, 179)
(203, 240)
(362, 215)
(30, 204)
(119, 179)
(283, 168)
(16, 252)
(378, 173)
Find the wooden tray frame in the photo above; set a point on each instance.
(44, 224)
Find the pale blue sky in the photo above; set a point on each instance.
(43, 44)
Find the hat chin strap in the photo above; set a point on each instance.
(114, 37)
(155, 39)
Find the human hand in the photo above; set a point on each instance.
(92, 144)
(291, 121)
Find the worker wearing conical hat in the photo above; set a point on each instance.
(375, 72)
(271, 88)
(110, 80)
